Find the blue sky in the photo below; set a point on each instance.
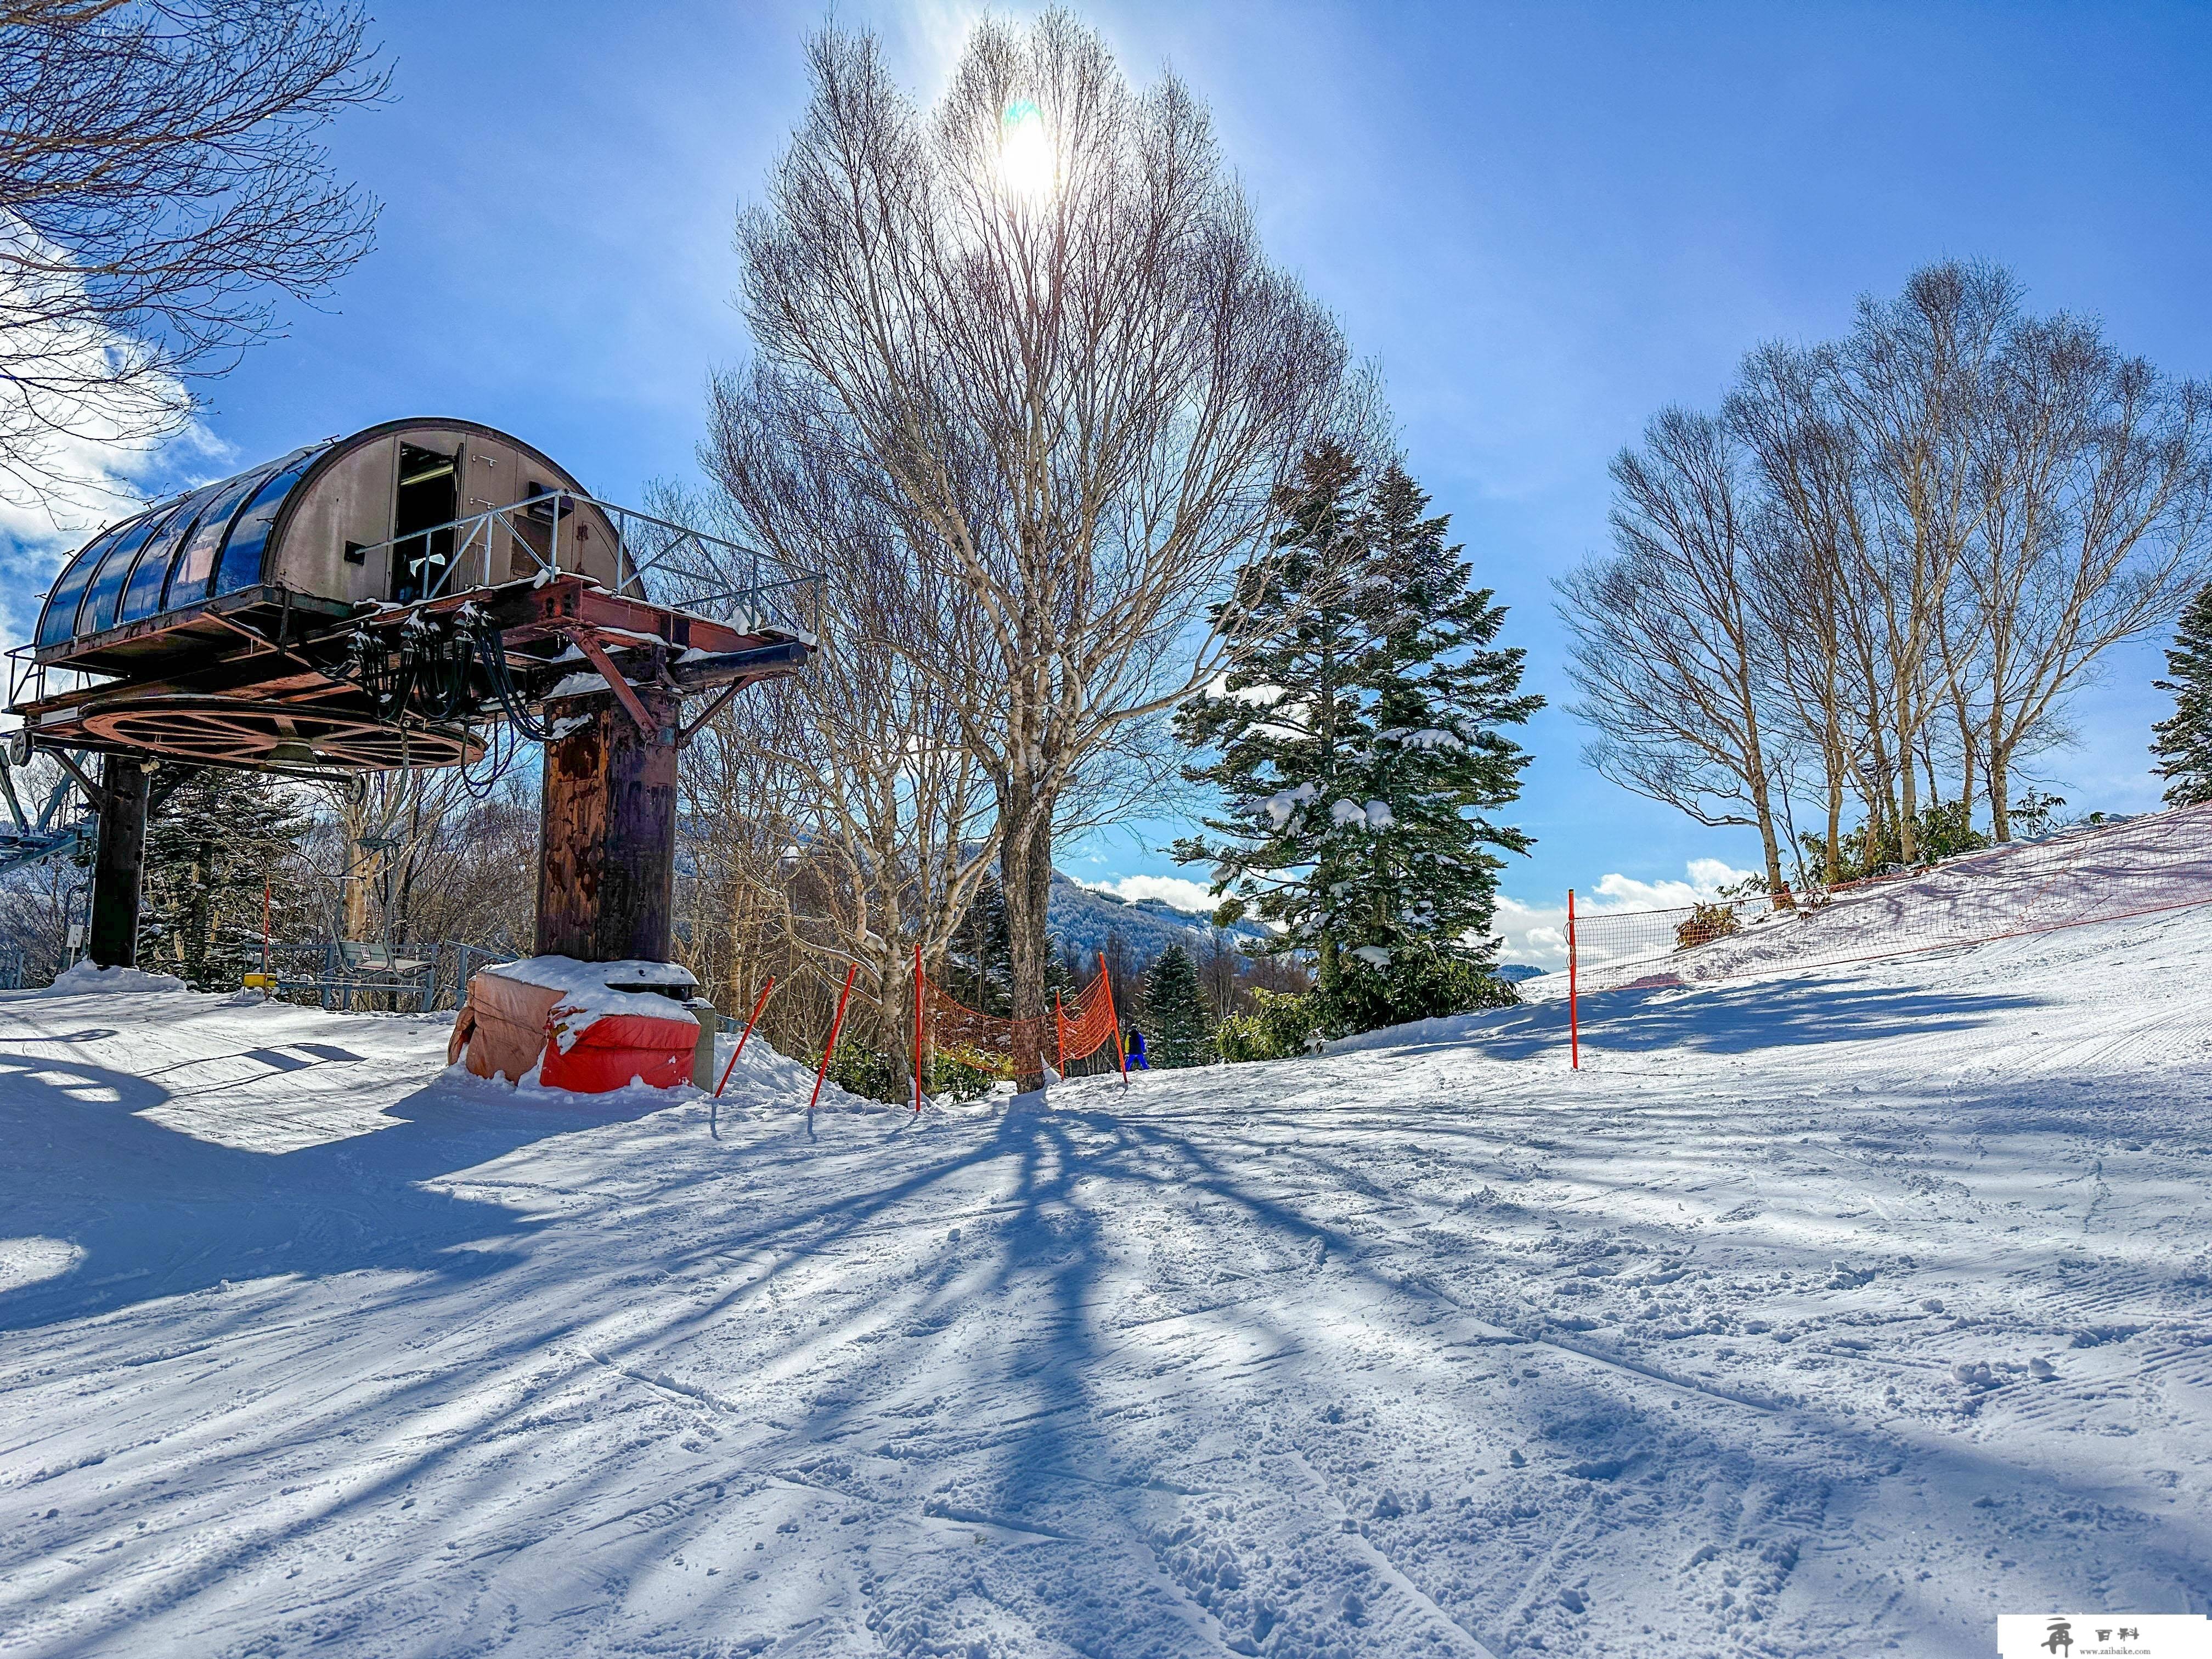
(1544, 222)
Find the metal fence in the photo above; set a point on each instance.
(341, 977)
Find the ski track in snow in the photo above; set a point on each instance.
(1723, 1347)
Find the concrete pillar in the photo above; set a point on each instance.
(606, 871)
(118, 867)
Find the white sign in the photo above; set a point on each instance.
(2104, 1636)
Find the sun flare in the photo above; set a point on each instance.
(1026, 164)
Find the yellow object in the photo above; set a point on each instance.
(259, 982)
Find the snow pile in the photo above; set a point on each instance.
(590, 986)
(588, 993)
(87, 976)
(1822, 1315)
(770, 1083)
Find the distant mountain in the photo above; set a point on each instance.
(1082, 917)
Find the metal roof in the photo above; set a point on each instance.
(188, 549)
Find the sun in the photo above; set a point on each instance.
(1026, 163)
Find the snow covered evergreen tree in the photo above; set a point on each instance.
(209, 849)
(1357, 744)
(1179, 1031)
(2185, 740)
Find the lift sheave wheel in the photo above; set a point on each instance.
(276, 737)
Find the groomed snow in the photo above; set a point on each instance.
(1818, 1315)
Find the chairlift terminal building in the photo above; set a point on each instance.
(375, 602)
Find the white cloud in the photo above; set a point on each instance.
(1537, 933)
(1184, 895)
(78, 459)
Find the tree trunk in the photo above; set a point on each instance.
(2000, 786)
(1834, 762)
(1025, 879)
(1908, 804)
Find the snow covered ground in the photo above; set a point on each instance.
(1817, 1315)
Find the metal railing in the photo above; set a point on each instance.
(664, 562)
(320, 971)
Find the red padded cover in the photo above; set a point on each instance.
(616, 1047)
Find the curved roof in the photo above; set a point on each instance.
(225, 538)
(192, 547)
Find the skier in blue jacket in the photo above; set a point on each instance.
(1135, 1048)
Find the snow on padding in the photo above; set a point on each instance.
(588, 1027)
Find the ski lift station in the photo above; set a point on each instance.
(379, 601)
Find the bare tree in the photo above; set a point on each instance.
(2094, 478)
(1668, 638)
(1912, 381)
(161, 185)
(1037, 329)
(1949, 515)
(1805, 536)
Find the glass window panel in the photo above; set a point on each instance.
(58, 620)
(188, 584)
(99, 600)
(249, 535)
(141, 594)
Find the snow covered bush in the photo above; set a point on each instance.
(1411, 982)
(1278, 1025)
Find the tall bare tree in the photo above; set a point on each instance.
(1912, 380)
(2094, 478)
(1036, 327)
(1670, 639)
(1806, 534)
(162, 185)
(1951, 513)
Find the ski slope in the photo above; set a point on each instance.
(2136, 866)
(1820, 1315)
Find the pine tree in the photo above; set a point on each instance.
(210, 848)
(1174, 1010)
(1286, 719)
(1359, 749)
(2184, 741)
(979, 964)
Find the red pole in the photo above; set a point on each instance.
(835, 1020)
(1060, 1032)
(1574, 1027)
(759, 1002)
(917, 1027)
(265, 931)
(1119, 1053)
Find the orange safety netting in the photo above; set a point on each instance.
(1078, 1027)
(1086, 1021)
(989, 1043)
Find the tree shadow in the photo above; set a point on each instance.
(1726, 1019)
(155, 1212)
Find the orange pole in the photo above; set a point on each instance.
(759, 1002)
(1574, 1027)
(917, 1027)
(1060, 1032)
(1119, 1053)
(835, 1020)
